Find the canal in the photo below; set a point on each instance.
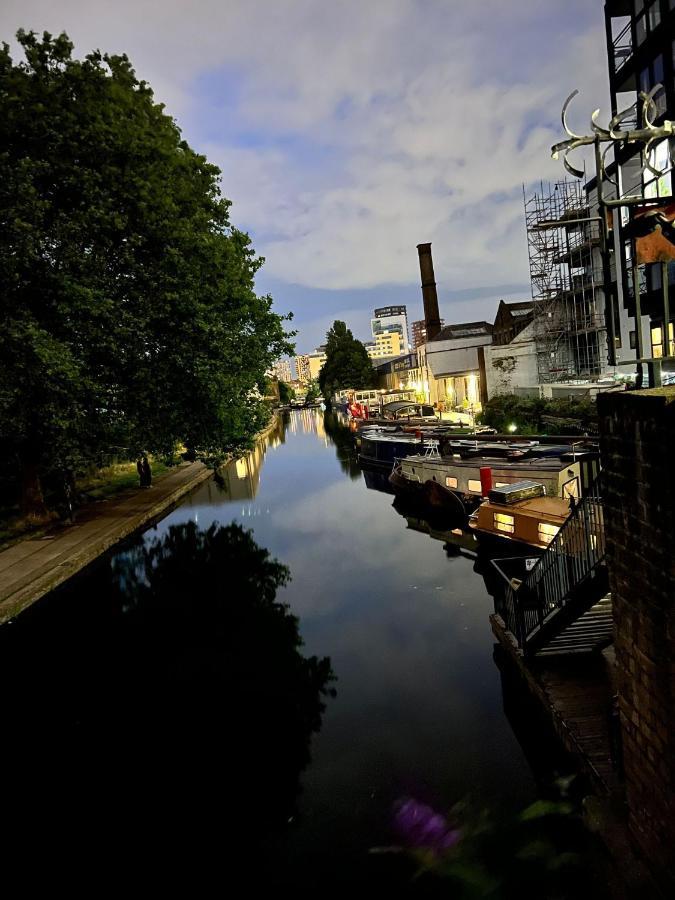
(190, 686)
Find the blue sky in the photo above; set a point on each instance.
(349, 132)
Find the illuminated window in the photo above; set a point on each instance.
(450, 482)
(503, 523)
(547, 532)
(475, 486)
(502, 484)
(657, 340)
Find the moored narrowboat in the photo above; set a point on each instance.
(520, 513)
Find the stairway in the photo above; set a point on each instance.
(591, 632)
(562, 604)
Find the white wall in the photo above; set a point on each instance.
(511, 366)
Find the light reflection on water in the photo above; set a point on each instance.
(405, 625)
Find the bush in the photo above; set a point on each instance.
(539, 416)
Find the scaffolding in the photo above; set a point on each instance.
(563, 243)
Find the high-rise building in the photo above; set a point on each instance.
(282, 370)
(419, 332)
(308, 365)
(391, 318)
(386, 344)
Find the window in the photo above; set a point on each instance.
(547, 532)
(661, 185)
(640, 29)
(475, 486)
(502, 484)
(654, 15)
(450, 482)
(632, 337)
(503, 523)
(657, 340)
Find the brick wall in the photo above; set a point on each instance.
(638, 451)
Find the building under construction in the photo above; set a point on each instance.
(566, 276)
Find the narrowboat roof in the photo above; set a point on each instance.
(532, 462)
(397, 405)
(554, 509)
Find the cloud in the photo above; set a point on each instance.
(349, 132)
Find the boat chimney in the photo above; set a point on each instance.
(432, 318)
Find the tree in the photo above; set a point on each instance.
(347, 362)
(286, 393)
(313, 391)
(127, 303)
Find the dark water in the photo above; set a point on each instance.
(166, 696)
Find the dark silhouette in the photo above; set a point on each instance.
(144, 471)
(163, 700)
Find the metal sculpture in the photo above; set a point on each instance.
(649, 134)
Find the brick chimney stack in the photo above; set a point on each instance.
(432, 318)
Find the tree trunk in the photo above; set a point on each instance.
(32, 500)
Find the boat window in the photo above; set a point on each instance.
(450, 482)
(504, 522)
(502, 484)
(475, 486)
(571, 488)
(547, 532)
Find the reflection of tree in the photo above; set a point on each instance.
(343, 440)
(172, 697)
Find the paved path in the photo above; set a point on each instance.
(32, 568)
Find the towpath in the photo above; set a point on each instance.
(32, 568)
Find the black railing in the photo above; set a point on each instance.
(574, 555)
(623, 47)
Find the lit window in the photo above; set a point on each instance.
(547, 532)
(502, 484)
(450, 482)
(475, 486)
(657, 341)
(503, 523)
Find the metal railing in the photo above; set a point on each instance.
(573, 555)
(623, 47)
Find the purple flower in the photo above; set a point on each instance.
(422, 827)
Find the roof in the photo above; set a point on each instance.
(401, 404)
(463, 329)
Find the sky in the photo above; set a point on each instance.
(349, 131)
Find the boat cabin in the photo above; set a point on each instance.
(522, 513)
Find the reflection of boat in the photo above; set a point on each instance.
(520, 513)
(377, 481)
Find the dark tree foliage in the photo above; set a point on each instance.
(286, 393)
(347, 362)
(538, 415)
(128, 315)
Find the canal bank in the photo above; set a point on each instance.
(32, 568)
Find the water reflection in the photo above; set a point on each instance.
(169, 695)
(341, 436)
